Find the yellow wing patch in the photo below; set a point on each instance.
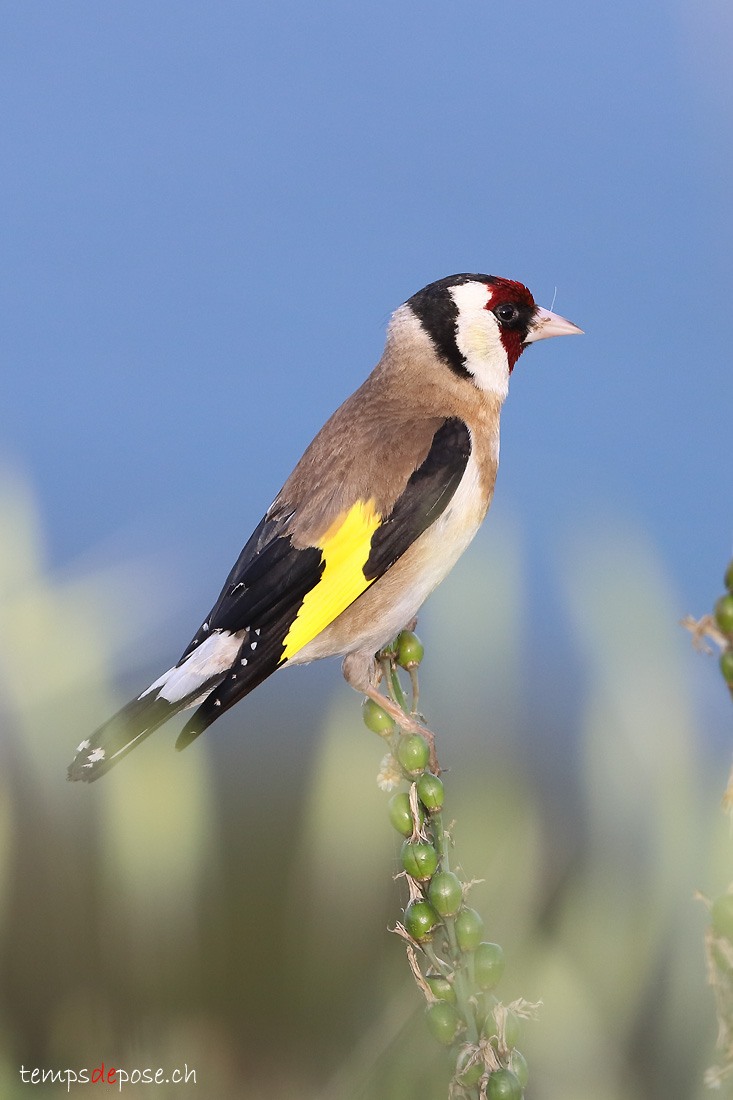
(345, 545)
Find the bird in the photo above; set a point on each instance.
(379, 508)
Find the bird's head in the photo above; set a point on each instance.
(481, 324)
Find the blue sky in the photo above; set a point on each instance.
(208, 212)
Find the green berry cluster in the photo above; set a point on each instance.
(724, 621)
(458, 970)
(462, 968)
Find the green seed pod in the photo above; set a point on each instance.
(410, 650)
(721, 916)
(443, 1021)
(469, 929)
(726, 665)
(430, 792)
(421, 920)
(400, 814)
(376, 718)
(441, 988)
(511, 1029)
(724, 613)
(469, 1074)
(419, 859)
(485, 1003)
(518, 1066)
(389, 652)
(489, 964)
(413, 753)
(728, 578)
(446, 893)
(503, 1085)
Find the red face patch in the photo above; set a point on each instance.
(515, 322)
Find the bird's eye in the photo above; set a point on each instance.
(506, 312)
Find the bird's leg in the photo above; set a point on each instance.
(385, 673)
(362, 673)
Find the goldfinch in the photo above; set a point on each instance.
(377, 511)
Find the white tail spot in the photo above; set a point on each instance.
(214, 656)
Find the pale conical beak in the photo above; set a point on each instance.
(549, 324)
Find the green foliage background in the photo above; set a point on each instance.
(228, 907)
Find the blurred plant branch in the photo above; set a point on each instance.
(718, 628)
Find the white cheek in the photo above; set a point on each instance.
(485, 354)
(479, 340)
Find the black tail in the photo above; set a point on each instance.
(119, 735)
(128, 728)
(214, 675)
